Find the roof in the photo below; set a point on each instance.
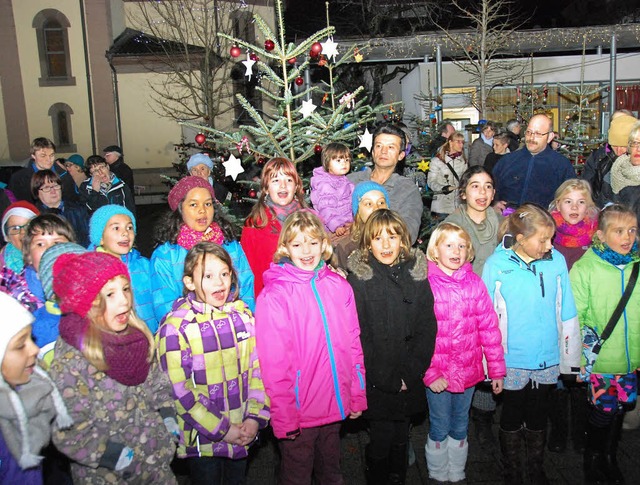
(133, 42)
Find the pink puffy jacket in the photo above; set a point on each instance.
(467, 328)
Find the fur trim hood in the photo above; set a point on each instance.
(363, 269)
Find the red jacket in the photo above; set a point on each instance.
(259, 246)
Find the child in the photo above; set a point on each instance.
(467, 331)
(366, 198)
(28, 399)
(598, 280)
(206, 345)
(196, 216)
(331, 189)
(529, 284)
(104, 187)
(14, 222)
(444, 174)
(113, 230)
(104, 368)
(395, 308)
(309, 342)
(576, 219)
(281, 194)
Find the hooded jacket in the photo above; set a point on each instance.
(331, 197)
(308, 340)
(467, 330)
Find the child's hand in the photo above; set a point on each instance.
(439, 385)
(341, 231)
(496, 385)
(355, 415)
(234, 435)
(95, 184)
(249, 430)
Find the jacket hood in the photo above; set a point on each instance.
(511, 255)
(362, 268)
(286, 271)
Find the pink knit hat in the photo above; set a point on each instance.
(182, 188)
(78, 279)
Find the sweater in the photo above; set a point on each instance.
(331, 197)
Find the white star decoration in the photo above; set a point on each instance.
(232, 167)
(307, 108)
(330, 49)
(366, 140)
(249, 65)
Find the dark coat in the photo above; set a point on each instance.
(20, 183)
(514, 141)
(398, 332)
(119, 194)
(597, 171)
(77, 216)
(123, 172)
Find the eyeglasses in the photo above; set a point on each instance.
(634, 145)
(15, 230)
(535, 134)
(98, 168)
(50, 188)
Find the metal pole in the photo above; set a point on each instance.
(612, 76)
(439, 79)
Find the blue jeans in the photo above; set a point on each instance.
(449, 414)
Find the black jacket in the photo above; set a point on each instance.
(119, 194)
(398, 332)
(20, 183)
(596, 171)
(123, 172)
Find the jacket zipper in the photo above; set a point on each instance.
(541, 284)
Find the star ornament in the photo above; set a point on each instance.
(366, 140)
(330, 49)
(307, 108)
(232, 167)
(423, 165)
(248, 64)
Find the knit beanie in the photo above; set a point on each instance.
(100, 219)
(182, 188)
(78, 279)
(21, 208)
(76, 160)
(619, 130)
(45, 270)
(361, 189)
(199, 158)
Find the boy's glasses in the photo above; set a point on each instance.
(15, 230)
(50, 188)
(98, 169)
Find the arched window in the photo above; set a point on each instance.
(53, 48)
(61, 123)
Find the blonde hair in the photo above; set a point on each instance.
(611, 213)
(577, 185)
(445, 149)
(92, 348)
(302, 222)
(391, 221)
(526, 220)
(443, 230)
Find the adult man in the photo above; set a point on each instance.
(533, 173)
(445, 130)
(43, 155)
(513, 129)
(404, 196)
(115, 159)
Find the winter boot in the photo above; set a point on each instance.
(437, 460)
(483, 422)
(457, 450)
(611, 449)
(398, 464)
(511, 446)
(559, 419)
(377, 471)
(535, 456)
(579, 411)
(594, 465)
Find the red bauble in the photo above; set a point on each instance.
(316, 48)
(269, 45)
(252, 193)
(254, 57)
(299, 81)
(200, 138)
(317, 149)
(292, 61)
(235, 51)
(314, 55)
(261, 161)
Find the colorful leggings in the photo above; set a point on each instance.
(607, 392)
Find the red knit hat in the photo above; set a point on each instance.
(182, 188)
(78, 279)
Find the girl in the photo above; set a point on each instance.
(309, 342)
(331, 189)
(14, 222)
(598, 280)
(467, 331)
(529, 284)
(367, 197)
(395, 308)
(196, 216)
(444, 174)
(113, 230)
(104, 368)
(576, 219)
(211, 326)
(281, 193)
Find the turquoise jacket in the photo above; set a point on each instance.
(140, 272)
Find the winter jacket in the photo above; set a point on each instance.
(123, 172)
(467, 330)
(77, 216)
(598, 286)
(47, 316)
(331, 197)
(10, 471)
(118, 194)
(597, 171)
(260, 245)
(404, 198)
(522, 177)
(140, 271)
(479, 151)
(167, 270)
(536, 310)
(109, 416)
(308, 339)
(211, 359)
(398, 325)
(441, 176)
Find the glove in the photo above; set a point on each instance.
(125, 459)
(447, 189)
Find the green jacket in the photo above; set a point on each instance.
(597, 288)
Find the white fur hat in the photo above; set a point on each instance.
(14, 318)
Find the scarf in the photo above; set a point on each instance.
(488, 141)
(624, 174)
(576, 235)
(610, 256)
(187, 238)
(454, 155)
(13, 258)
(126, 354)
(485, 232)
(282, 211)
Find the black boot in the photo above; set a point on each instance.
(611, 449)
(594, 465)
(511, 446)
(377, 471)
(559, 419)
(579, 411)
(535, 456)
(398, 464)
(483, 422)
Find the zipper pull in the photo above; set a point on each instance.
(541, 284)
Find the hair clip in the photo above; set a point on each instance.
(523, 215)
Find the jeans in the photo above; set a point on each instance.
(449, 414)
(209, 470)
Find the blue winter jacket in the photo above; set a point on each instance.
(45, 330)
(167, 268)
(140, 272)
